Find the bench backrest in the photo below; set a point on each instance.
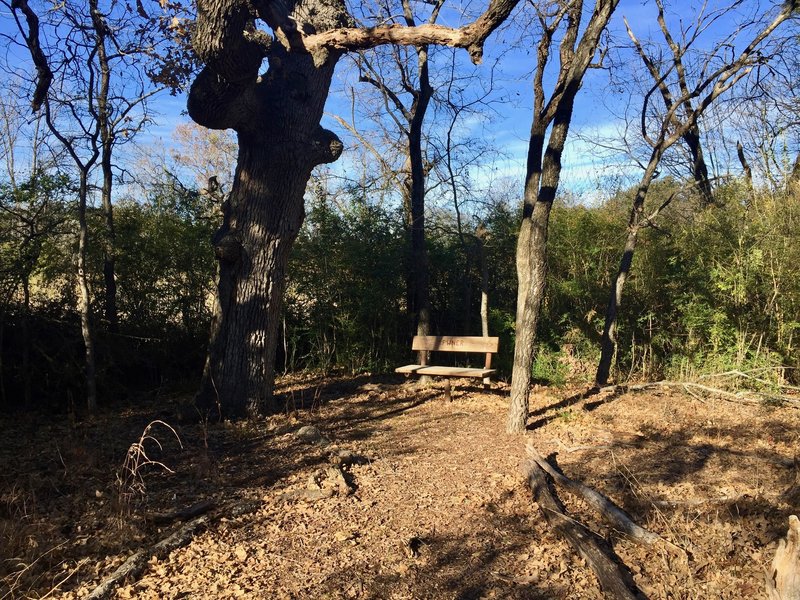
(453, 343)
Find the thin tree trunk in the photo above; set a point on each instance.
(84, 297)
(480, 234)
(541, 182)
(748, 172)
(794, 176)
(26, 341)
(107, 144)
(699, 167)
(608, 342)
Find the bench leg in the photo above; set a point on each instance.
(486, 382)
(448, 392)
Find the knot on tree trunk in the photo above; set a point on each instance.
(326, 147)
(228, 248)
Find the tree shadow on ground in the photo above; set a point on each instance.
(562, 404)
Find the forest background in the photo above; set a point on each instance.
(715, 287)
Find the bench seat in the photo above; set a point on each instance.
(445, 371)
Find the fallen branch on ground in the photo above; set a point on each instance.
(137, 563)
(615, 579)
(195, 510)
(613, 514)
(748, 397)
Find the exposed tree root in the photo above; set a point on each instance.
(615, 579)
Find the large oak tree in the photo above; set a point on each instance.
(276, 115)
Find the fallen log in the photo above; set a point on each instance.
(783, 579)
(618, 518)
(752, 397)
(615, 579)
(137, 563)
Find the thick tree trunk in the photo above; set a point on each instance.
(419, 253)
(280, 142)
(261, 221)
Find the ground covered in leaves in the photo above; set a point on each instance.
(383, 489)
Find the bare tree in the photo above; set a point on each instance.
(90, 115)
(551, 121)
(415, 83)
(719, 71)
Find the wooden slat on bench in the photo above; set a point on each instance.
(445, 371)
(451, 343)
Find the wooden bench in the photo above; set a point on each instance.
(449, 343)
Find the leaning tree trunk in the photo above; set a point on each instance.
(699, 166)
(608, 342)
(544, 173)
(541, 182)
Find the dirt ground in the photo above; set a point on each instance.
(397, 493)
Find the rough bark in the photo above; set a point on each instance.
(541, 183)
(783, 579)
(276, 116)
(615, 579)
(419, 254)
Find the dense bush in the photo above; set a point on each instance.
(712, 288)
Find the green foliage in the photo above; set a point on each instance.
(344, 303)
(548, 368)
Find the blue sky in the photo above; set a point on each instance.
(508, 130)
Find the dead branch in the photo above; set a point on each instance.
(783, 580)
(189, 512)
(613, 514)
(749, 397)
(615, 579)
(137, 563)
